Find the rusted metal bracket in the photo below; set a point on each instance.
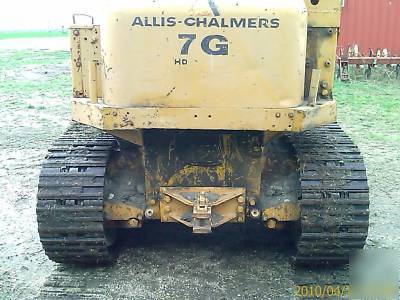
(86, 61)
(123, 214)
(202, 214)
(294, 119)
(284, 212)
(202, 208)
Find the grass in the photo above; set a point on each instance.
(31, 34)
(21, 58)
(28, 72)
(372, 100)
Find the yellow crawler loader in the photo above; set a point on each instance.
(204, 112)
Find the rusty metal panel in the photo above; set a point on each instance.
(371, 24)
(85, 48)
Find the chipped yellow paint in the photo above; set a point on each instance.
(252, 88)
(133, 136)
(286, 119)
(85, 48)
(140, 61)
(284, 212)
(325, 14)
(321, 55)
(119, 211)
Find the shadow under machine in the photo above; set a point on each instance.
(204, 113)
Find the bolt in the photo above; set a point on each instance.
(271, 223)
(278, 115)
(240, 200)
(240, 209)
(241, 219)
(327, 63)
(167, 199)
(255, 213)
(291, 115)
(252, 202)
(115, 114)
(149, 213)
(133, 223)
(76, 32)
(325, 93)
(152, 202)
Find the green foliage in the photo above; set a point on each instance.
(372, 107)
(31, 34)
(35, 89)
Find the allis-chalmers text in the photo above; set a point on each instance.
(219, 22)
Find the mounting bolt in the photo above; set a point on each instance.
(149, 213)
(324, 93)
(271, 223)
(328, 63)
(241, 219)
(152, 202)
(278, 115)
(240, 209)
(167, 199)
(252, 202)
(240, 200)
(255, 213)
(133, 223)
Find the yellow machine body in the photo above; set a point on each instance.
(202, 113)
(240, 73)
(240, 65)
(183, 55)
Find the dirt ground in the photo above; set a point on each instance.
(167, 262)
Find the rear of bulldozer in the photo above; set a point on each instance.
(204, 113)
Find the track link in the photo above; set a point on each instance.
(335, 196)
(70, 197)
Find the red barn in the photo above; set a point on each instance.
(371, 24)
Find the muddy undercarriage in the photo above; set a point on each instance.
(314, 183)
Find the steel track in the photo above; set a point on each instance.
(70, 197)
(335, 196)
